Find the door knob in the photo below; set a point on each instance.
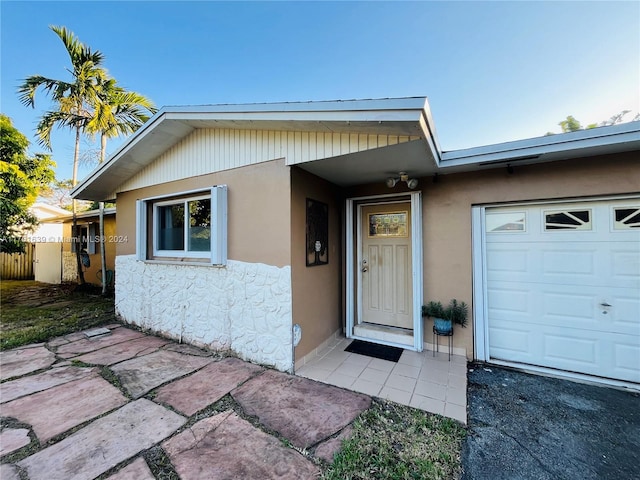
(365, 266)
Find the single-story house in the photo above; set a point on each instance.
(56, 259)
(268, 229)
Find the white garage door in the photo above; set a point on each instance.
(563, 287)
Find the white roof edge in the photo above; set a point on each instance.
(625, 136)
(135, 138)
(403, 103)
(47, 206)
(429, 128)
(623, 132)
(85, 214)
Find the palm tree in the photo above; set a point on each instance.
(75, 100)
(117, 112)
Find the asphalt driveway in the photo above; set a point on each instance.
(524, 426)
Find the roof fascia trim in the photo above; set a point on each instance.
(406, 103)
(601, 136)
(138, 135)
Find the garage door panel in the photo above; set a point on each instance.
(506, 301)
(548, 305)
(577, 310)
(508, 260)
(626, 361)
(543, 304)
(624, 313)
(579, 351)
(625, 266)
(508, 340)
(569, 263)
(565, 299)
(547, 266)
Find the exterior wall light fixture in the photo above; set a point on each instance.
(403, 177)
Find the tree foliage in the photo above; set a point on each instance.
(118, 112)
(21, 179)
(571, 124)
(58, 193)
(74, 100)
(90, 102)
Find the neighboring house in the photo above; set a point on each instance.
(47, 242)
(26, 265)
(61, 257)
(46, 232)
(295, 216)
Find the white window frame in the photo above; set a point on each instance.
(616, 226)
(91, 238)
(218, 254)
(185, 252)
(508, 232)
(568, 212)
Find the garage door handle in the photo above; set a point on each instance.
(605, 305)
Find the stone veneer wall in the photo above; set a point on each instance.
(69, 267)
(243, 307)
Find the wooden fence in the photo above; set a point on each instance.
(17, 266)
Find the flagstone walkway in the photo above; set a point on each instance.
(111, 405)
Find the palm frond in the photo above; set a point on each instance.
(78, 52)
(59, 119)
(27, 91)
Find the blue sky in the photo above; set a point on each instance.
(493, 71)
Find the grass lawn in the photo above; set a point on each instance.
(389, 441)
(392, 441)
(33, 312)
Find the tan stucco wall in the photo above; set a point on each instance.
(258, 211)
(267, 220)
(317, 298)
(111, 241)
(447, 214)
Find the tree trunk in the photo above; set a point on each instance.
(74, 180)
(103, 253)
(103, 147)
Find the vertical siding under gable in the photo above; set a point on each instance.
(213, 150)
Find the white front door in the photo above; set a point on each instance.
(563, 286)
(385, 269)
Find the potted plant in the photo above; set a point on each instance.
(445, 317)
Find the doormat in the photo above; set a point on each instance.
(375, 350)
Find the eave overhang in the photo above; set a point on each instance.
(402, 116)
(410, 117)
(583, 143)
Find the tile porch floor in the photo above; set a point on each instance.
(419, 380)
